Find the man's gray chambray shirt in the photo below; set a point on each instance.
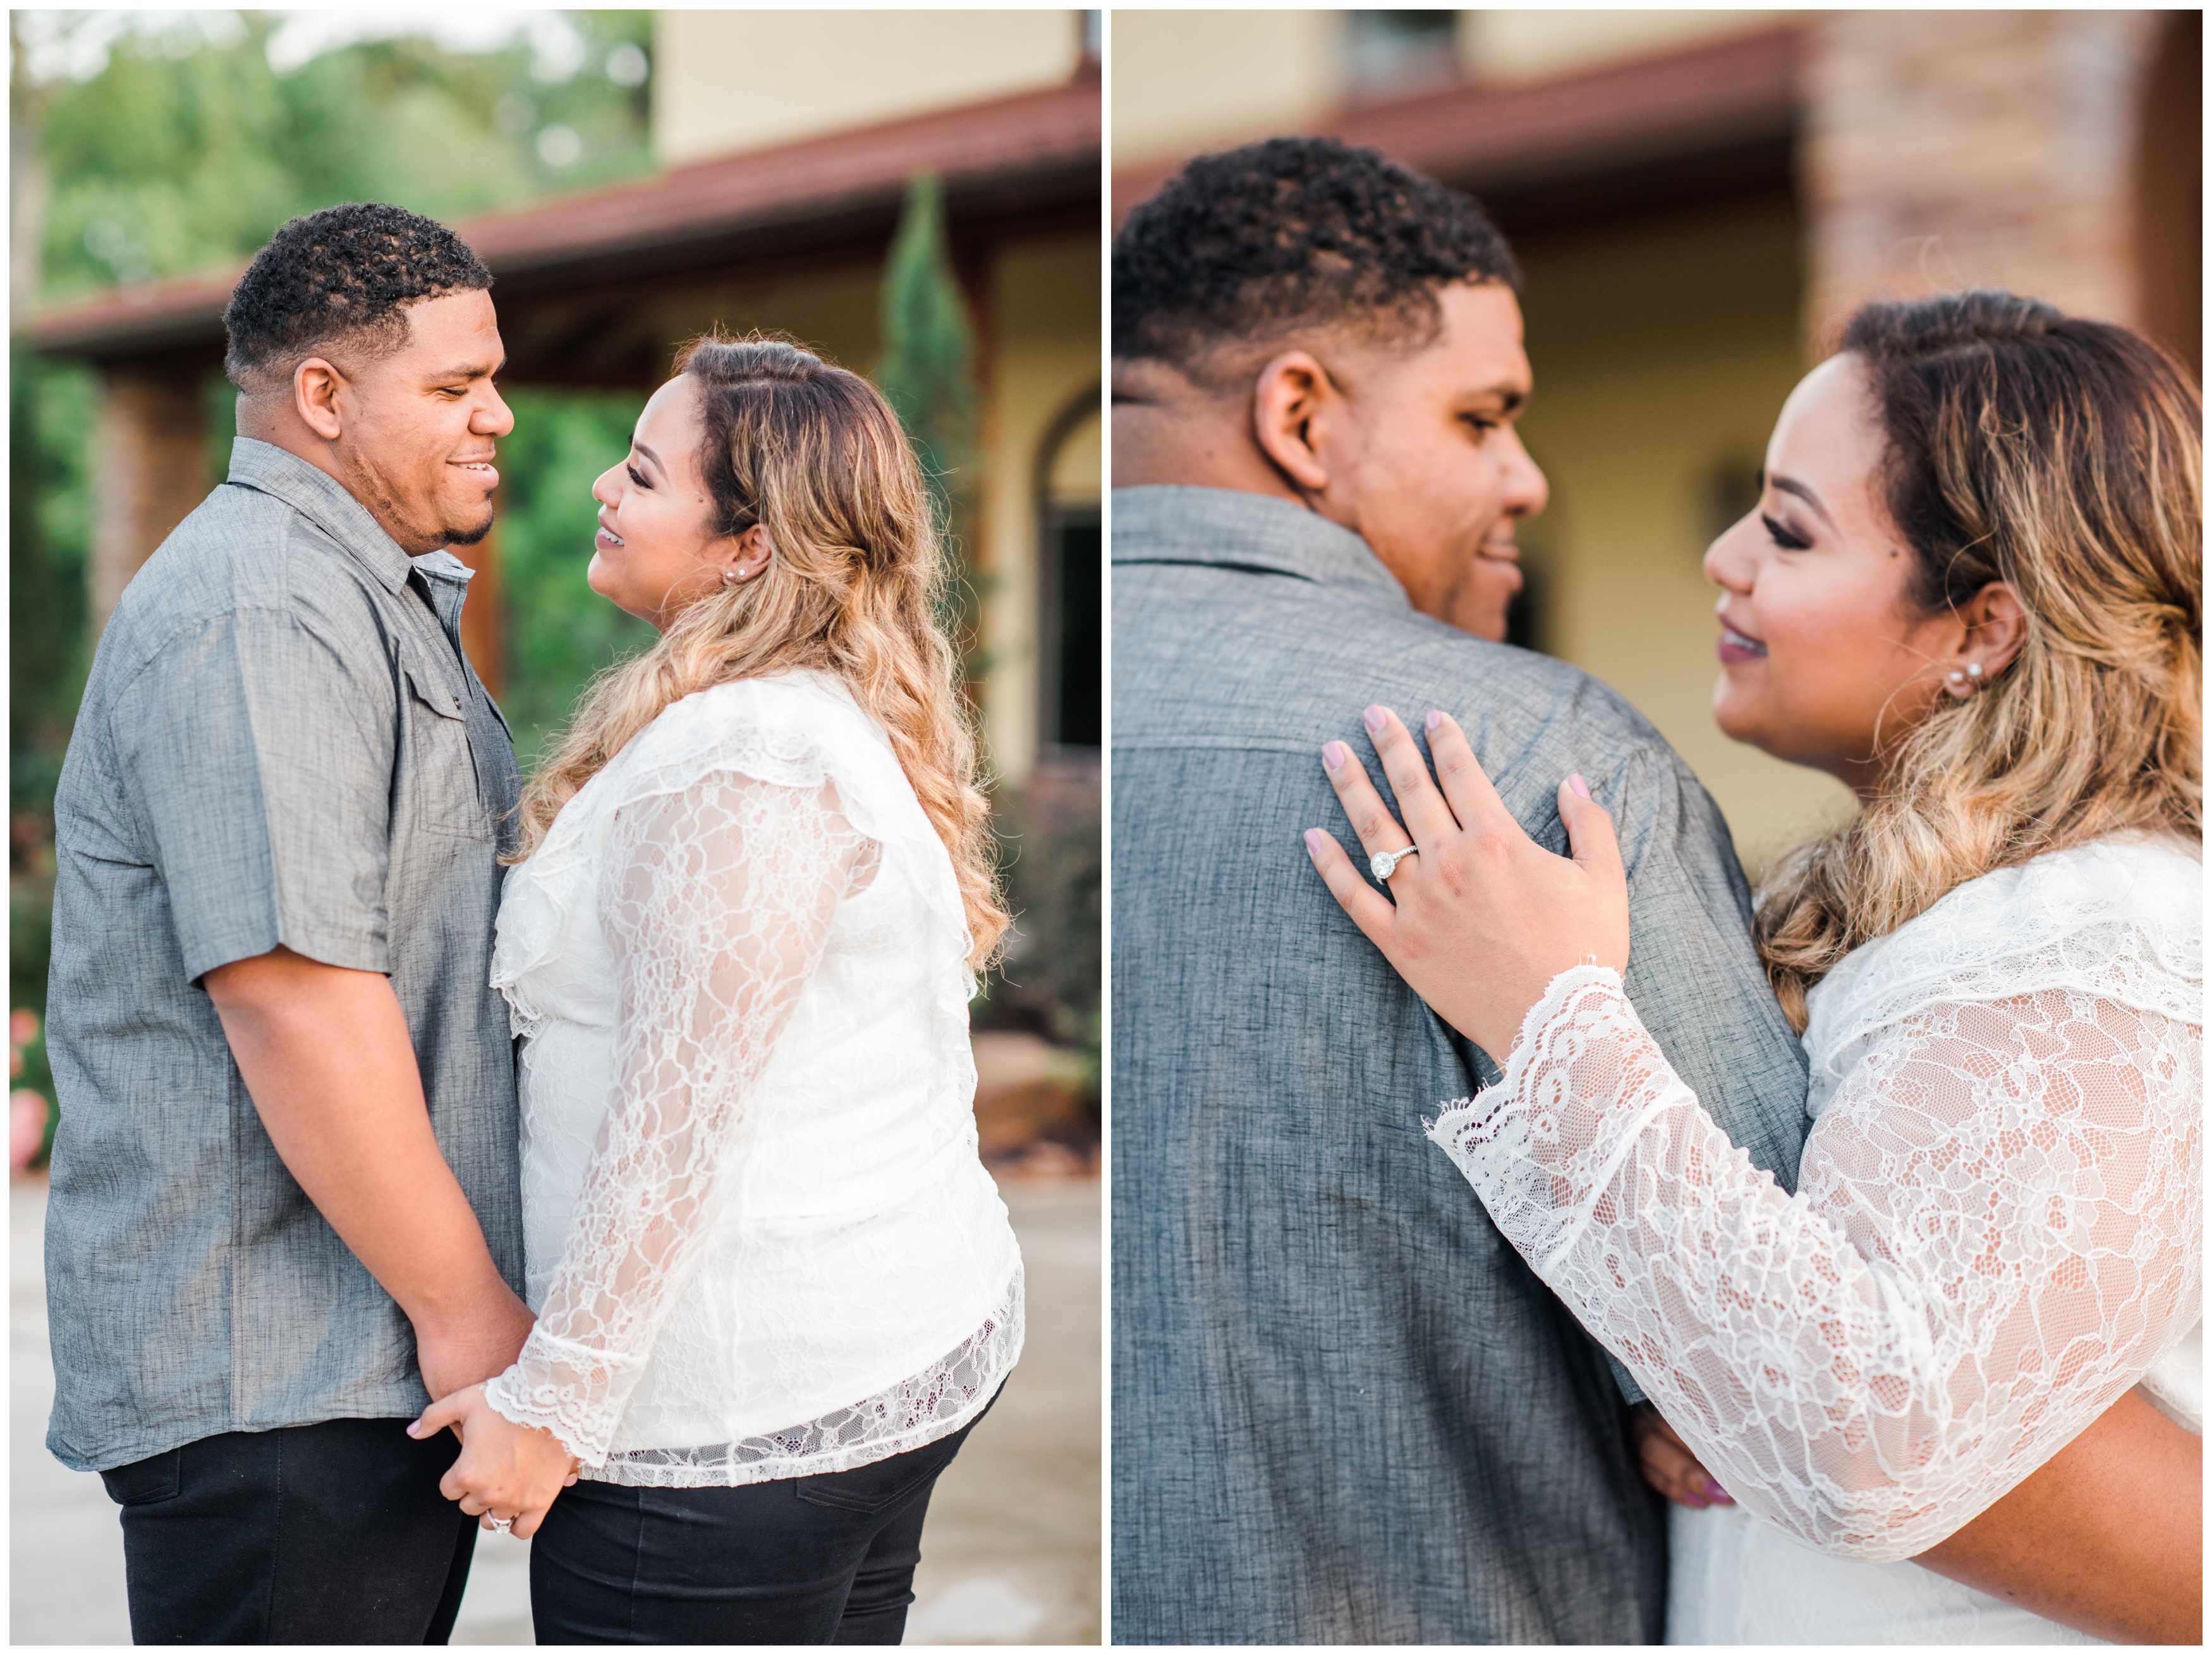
(1345, 1411)
(281, 742)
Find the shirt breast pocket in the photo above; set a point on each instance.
(441, 769)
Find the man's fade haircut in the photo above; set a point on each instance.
(1253, 245)
(342, 276)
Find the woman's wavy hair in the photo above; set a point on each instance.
(2063, 457)
(815, 453)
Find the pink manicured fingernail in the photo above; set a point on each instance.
(1313, 837)
(1580, 786)
(1432, 721)
(1332, 755)
(1718, 1493)
(1377, 718)
(414, 1429)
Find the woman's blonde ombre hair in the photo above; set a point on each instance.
(813, 452)
(2063, 457)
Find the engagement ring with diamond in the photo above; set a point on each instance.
(1383, 863)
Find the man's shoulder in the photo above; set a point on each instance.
(240, 552)
(1277, 649)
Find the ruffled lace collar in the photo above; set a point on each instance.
(2120, 918)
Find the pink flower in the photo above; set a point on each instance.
(26, 1127)
(23, 1027)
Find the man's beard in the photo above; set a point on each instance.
(470, 537)
(371, 488)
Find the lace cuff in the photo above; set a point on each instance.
(1530, 1145)
(570, 1390)
(1998, 1230)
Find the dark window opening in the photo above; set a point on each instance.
(1071, 654)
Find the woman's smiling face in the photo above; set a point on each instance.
(1824, 653)
(657, 549)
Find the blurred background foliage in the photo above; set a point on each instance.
(147, 145)
(926, 374)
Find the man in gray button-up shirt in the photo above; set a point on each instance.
(285, 1207)
(1344, 1410)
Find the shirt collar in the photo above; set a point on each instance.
(1164, 523)
(325, 501)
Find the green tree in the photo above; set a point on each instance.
(560, 633)
(182, 154)
(928, 375)
(179, 157)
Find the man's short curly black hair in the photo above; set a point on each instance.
(1254, 244)
(343, 274)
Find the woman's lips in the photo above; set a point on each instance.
(1736, 647)
(607, 542)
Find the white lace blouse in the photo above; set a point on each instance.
(1998, 1228)
(757, 1236)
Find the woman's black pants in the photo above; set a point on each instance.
(826, 1559)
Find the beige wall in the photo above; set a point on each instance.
(1045, 344)
(1518, 45)
(726, 81)
(1183, 82)
(1078, 476)
(1662, 350)
(835, 310)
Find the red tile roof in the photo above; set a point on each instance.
(1487, 137)
(1034, 150)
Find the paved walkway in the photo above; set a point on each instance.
(1010, 1555)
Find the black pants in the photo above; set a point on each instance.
(333, 1533)
(826, 1559)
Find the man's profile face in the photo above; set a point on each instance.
(420, 425)
(1425, 465)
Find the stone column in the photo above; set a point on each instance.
(149, 470)
(2170, 192)
(1947, 149)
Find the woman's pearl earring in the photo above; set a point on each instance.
(1974, 671)
(731, 577)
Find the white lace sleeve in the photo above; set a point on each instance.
(716, 901)
(1997, 1229)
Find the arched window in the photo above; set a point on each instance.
(1071, 622)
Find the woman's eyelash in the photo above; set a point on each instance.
(1782, 537)
(637, 476)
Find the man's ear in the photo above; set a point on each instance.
(1289, 392)
(315, 386)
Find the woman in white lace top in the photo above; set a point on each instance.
(774, 1285)
(1971, 591)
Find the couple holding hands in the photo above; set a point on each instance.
(620, 1123)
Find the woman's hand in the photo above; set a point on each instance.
(505, 1471)
(1483, 918)
(1669, 1464)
